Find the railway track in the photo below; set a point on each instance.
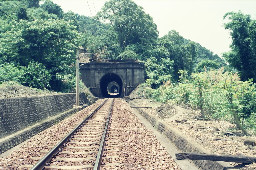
(82, 147)
(110, 137)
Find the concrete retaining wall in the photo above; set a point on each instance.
(22, 118)
(19, 113)
(20, 136)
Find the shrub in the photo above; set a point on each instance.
(218, 95)
(9, 72)
(36, 75)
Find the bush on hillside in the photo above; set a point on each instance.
(218, 95)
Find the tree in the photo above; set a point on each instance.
(9, 72)
(22, 14)
(51, 43)
(181, 51)
(10, 33)
(35, 75)
(159, 67)
(52, 8)
(158, 71)
(131, 23)
(31, 3)
(98, 38)
(9, 10)
(207, 64)
(127, 54)
(37, 43)
(243, 55)
(104, 44)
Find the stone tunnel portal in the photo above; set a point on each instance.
(112, 78)
(111, 85)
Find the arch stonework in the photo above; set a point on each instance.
(130, 72)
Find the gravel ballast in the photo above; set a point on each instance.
(217, 137)
(129, 144)
(29, 152)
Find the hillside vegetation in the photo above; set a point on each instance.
(218, 95)
(38, 44)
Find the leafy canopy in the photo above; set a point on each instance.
(33, 36)
(243, 55)
(131, 23)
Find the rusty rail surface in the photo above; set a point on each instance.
(102, 143)
(41, 163)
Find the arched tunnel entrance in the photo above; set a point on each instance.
(111, 86)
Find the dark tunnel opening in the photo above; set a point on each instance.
(114, 89)
(111, 86)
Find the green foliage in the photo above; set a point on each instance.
(8, 72)
(130, 33)
(40, 14)
(207, 65)
(52, 8)
(218, 95)
(31, 3)
(105, 44)
(50, 43)
(96, 37)
(48, 38)
(35, 75)
(22, 14)
(174, 55)
(205, 54)
(179, 51)
(9, 10)
(31, 36)
(158, 71)
(243, 55)
(10, 34)
(131, 23)
(127, 54)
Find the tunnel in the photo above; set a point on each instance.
(114, 89)
(111, 86)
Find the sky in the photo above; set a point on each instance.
(198, 20)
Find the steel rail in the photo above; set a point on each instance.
(102, 143)
(41, 163)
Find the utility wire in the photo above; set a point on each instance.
(89, 7)
(94, 7)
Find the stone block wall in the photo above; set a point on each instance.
(18, 113)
